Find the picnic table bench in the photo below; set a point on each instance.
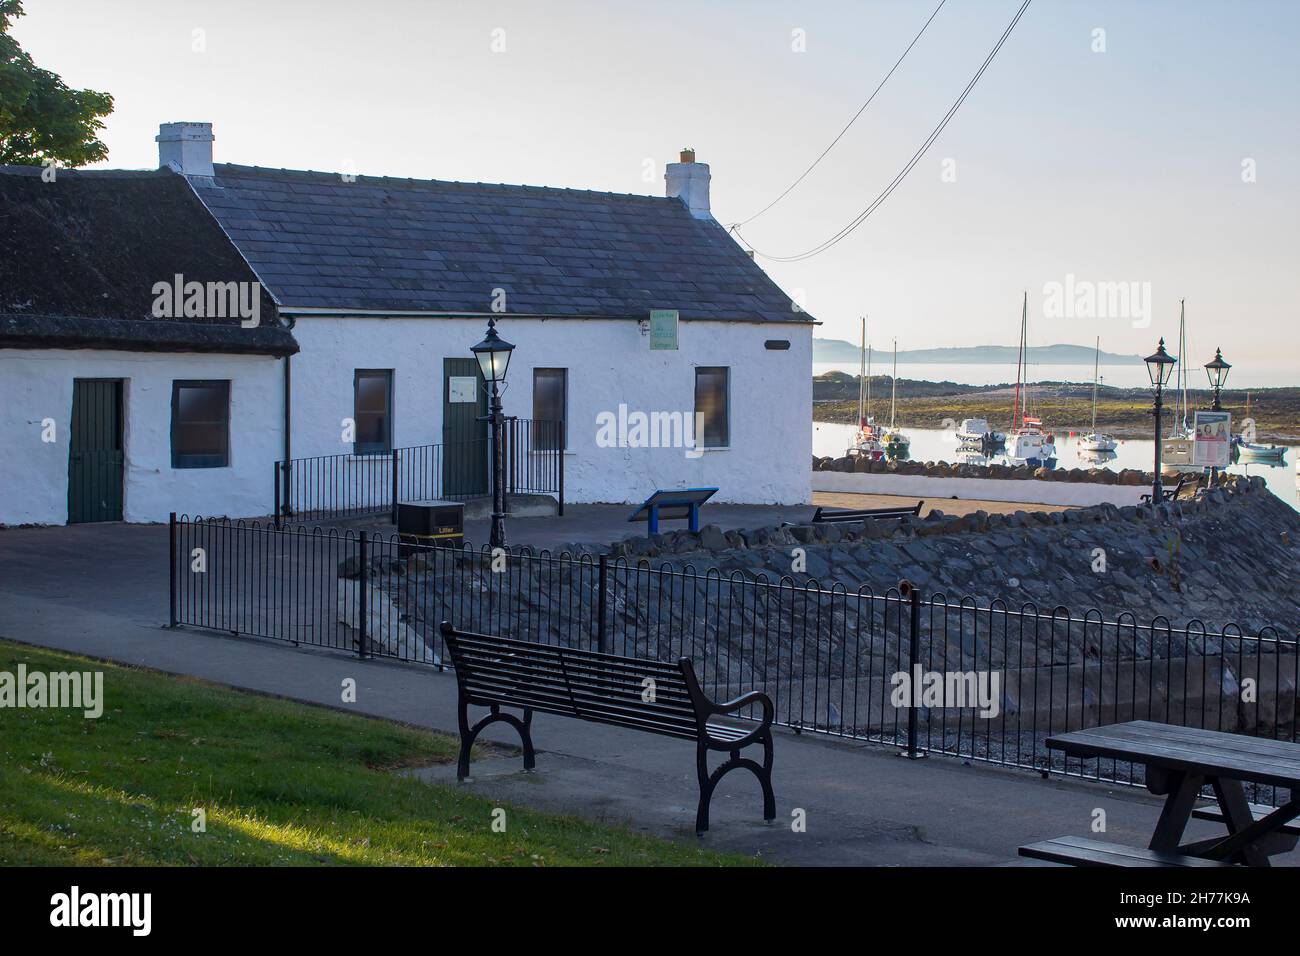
(1179, 762)
(630, 692)
(827, 515)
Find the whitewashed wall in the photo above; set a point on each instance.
(609, 362)
(37, 384)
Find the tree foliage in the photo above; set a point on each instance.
(41, 119)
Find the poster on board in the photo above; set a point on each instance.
(1213, 439)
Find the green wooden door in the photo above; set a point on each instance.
(95, 451)
(464, 436)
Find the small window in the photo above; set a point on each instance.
(201, 424)
(712, 412)
(550, 409)
(372, 411)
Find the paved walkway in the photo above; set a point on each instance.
(68, 589)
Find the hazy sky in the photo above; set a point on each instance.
(1117, 166)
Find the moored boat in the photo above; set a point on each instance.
(897, 445)
(1095, 441)
(1027, 441)
(867, 442)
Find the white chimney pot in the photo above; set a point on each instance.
(186, 148)
(689, 182)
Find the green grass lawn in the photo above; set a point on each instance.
(281, 783)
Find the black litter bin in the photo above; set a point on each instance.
(433, 522)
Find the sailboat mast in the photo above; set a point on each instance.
(1020, 359)
(1182, 355)
(893, 387)
(1096, 372)
(862, 373)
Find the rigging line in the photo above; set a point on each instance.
(916, 158)
(860, 111)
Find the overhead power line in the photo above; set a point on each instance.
(860, 111)
(861, 217)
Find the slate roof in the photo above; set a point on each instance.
(79, 258)
(385, 244)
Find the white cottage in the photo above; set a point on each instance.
(382, 285)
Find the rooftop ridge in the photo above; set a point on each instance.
(236, 170)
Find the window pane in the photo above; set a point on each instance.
(201, 403)
(371, 429)
(550, 387)
(201, 424)
(200, 440)
(372, 412)
(372, 393)
(711, 403)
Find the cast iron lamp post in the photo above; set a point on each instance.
(1159, 367)
(1217, 371)
(493, 355)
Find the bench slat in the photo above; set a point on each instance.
(1080, 851)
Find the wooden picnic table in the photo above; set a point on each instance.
(1180, 761)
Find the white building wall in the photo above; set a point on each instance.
(37, 384)
(609, 362)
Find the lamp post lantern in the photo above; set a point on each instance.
(1159, 366)
(1217, 372)
(493, 355)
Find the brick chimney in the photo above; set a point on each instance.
(186, 148)
(689, 181)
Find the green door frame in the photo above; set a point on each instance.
(96, 450)
(464, 433)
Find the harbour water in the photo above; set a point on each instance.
(1117, 376)
(941, 445)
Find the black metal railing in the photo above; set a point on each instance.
(830, 658)
(327, 487)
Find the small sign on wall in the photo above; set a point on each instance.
(462, 389)
(663, 329)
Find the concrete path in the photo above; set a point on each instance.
(69, 589)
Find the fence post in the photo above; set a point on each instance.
(276, 514)
(363, 610)
(913, 751)
(171, 575)
(600, 603)
(560, 444)
(397, 455)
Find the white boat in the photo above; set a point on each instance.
(897, 445)
(867, 441)
(1095, 441)
(976, 431)
(1027, 441)
(1245, 449)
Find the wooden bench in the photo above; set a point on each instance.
(629, 692)
(1258, 811)
(827, 515)
(1080, 851)
(1184, 490)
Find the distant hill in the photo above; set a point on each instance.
(841, 352)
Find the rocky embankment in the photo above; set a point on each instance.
(1231, 555)
(861, 464)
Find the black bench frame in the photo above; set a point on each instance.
(1171, 494)
(828, 515)
(497, 672)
